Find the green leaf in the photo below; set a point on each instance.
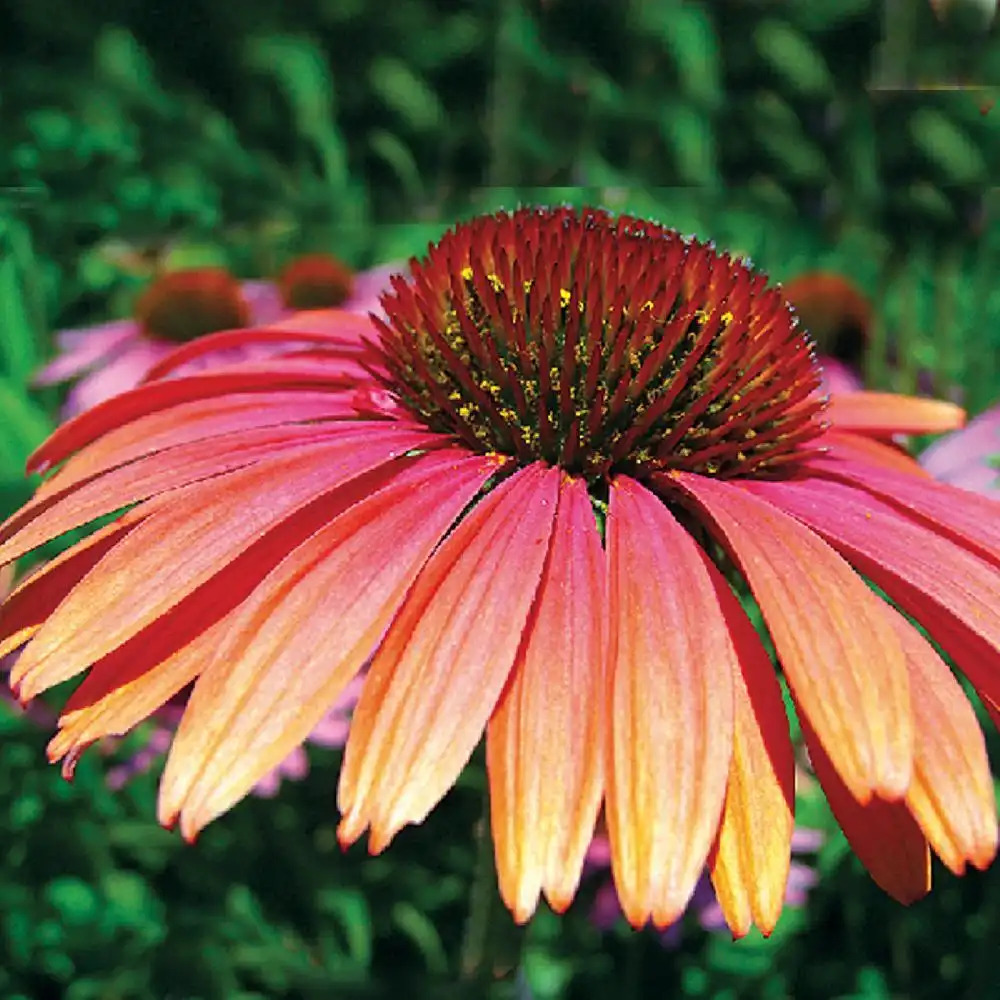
(75, 901)
(299, 69)
(947, 146)
(688, 34)
(793, 57)
(121, 59)
(692, 139)
(18, 351)
(399, 158)
(351, 911)
(405, 93)
(23, 426)
(420, 929)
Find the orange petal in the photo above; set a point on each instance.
(884, 413)
(839, 652)
(672, 664)
(110, 701)
(883, 835)
(749, 867)
(304, 633)
(884, 454)
(436, 678)
(951, 795)
(546, 741)
(204, 387)
(183, 544)
(53, 512)
(924, 573)
(24, 611)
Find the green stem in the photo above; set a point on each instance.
(491, 948)
(506, 98)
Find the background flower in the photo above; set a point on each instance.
(180, 306)
(968, 458)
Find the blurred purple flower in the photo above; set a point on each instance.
(605, 910)
(968, 458)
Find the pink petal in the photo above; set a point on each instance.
(305, 632)
(88, 348)
(545, 744)
(437, 676)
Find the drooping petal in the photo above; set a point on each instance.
(546, 741)
(951, 458)
(924, 573)
(52, 513)
(197, 421)
(182, 545)
(88, 348)
(884, 414)
(951, 795)
(750, 865)
(156, 396)
(116, 374)
(437, 676)
(27, 607)
(884, 836)
(304, 633)
(971, 520)
(122, 690)
(137, 677)
(841, 656)
(672, 664)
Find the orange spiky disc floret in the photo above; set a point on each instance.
(315, 281)
(183, 305)
(603, 345)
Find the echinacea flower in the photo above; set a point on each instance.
(837, 315)
(524, 498)
(969, 458)
(180, 306)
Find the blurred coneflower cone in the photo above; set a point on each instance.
(837, 315)
(522, 495)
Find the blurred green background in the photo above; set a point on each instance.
(854, 135)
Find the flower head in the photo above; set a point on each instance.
(525, 498)
(183, 305)
(315, 281)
